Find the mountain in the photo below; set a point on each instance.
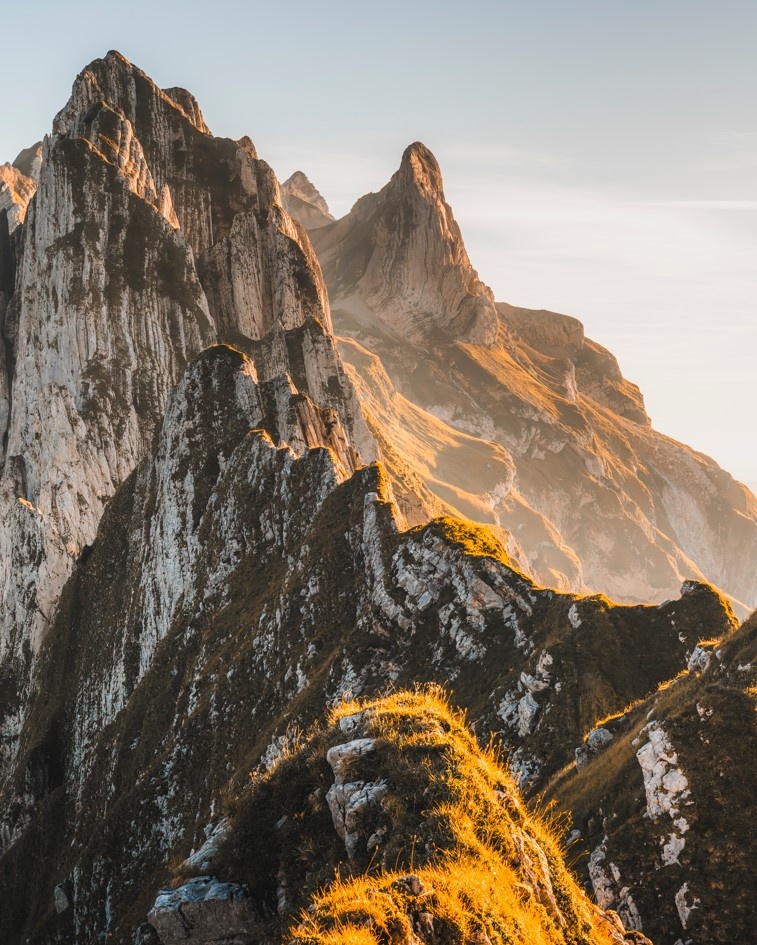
(146, 241)
(210, 547)
(233, 592)
(514, 418)
(304, 203)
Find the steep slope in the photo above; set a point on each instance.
(587, 478)
(233, 591)
(147, 239)
(665, 811)
(470, 864)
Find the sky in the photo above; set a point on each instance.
(600, 155)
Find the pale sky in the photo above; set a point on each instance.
(600, 155)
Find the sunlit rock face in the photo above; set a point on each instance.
(514, 418)
(405, 256)
(138, 240)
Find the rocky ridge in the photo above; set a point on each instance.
(146, 240)
(197, 562)
(573, 470)
(234, 590)
(664, 808)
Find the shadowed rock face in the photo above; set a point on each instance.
(516, 419)
(146, 240)
(665, 811)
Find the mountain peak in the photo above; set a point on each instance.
(408, 260)
(421, 167)
(305, 202)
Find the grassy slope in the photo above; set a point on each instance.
(482, 868)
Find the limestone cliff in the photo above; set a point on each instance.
(559, 450)
(146, 240)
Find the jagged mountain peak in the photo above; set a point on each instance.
(146, 240)
(531, 386)
(407, 261)
(300, 185)
(420, 168)
(117, 81)
(28, 160)
(303, 200)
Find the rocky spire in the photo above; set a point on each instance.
(396, 239)
(304, 202)
(552, 443)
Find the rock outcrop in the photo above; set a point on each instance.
(146, 240)
(468, 863)
(559, 450)
(665, 812)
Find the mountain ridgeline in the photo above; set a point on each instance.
(295, 624)
(514, 418)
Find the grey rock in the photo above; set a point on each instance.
(204, 911)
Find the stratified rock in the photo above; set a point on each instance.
(146, 241)
(402, 252)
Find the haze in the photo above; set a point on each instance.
(601, 158)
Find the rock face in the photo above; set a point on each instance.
(407, 259)
(666, 810)
(147, 240)
(516, 419)
(304, 203)
(235, 588)
(205, 912)
(16, 190)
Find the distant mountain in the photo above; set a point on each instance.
(304, 203)
(514, 418)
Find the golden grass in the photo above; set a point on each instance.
(495, 871)
(614, 715)
(475, 540)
